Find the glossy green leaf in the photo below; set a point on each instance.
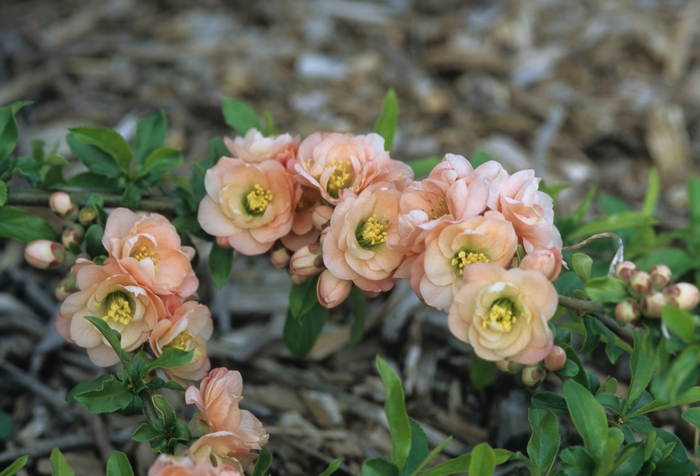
(545, 440)
(3, 193)
(238, 115)
(24, 226)
(418, 451)
(220, 264)
(619, 221)
(677, 259)
(677, 377)
(95, 181)
(651, 198)
(692, 416)
(395, 409)
(606, 289)
(641, 369)
(582, 265)
(15, 466)
(550, 401)
(131, 198)
(480, 157)
(379, 466)
(270, 129)
(436, 451)
(112, 336)
(387, 122)
(302, 297)
(163, 158)
(108, 141)
(114, 395)
(118, 465)
(482, 373)
(422, 167)
(170, 358)
(462, 463)
(181, 181)
(300, 333)
(680, 322)
(572, 355)
(150, 135)
(588, 417)
(96, 160)
(688, 397)
(93, 241)
(483, 461)
(8, 128)
(165, 409)
(332, 468)
(359, 312)
(263, 462)
(59, 465)
(145, 433)
(85, 387)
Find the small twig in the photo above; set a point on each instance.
(580, 305)
(62, 442)
(49, 395)
(100, 434)
(619, 255)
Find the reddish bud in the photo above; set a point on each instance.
(661, 276)
(682, 295)
(222, 241)
(652, 303)
(639, 282)
(279, 257)
(623, 269)
(44, 254)
(547, 261)
(63, 206)
(533, 375)
(65, 287)
(627, 311)
(73, 234)
(332, 291)
(509, 366)
(321, 216)
(556, 360)
(307, 261)
(87, 216)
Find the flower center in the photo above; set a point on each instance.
(257, 200)
(372, 232)
(440, 209)
(463, 258)
(340, 178)
(118, 308)
(146, 252)
(181, 341)
(501, 316)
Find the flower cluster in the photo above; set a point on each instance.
(140, 290)
(337, 206)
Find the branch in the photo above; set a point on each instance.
(36, 197)
(580, 305)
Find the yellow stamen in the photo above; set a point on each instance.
(181, 341)
(372, 232)
(340, 178)
(463, 258)
(118, 308)
(441, 209)
(258, 199)
(502, 315)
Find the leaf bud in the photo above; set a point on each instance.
(661, 276)
(533, 375)
(509, 366)
(45, 254)
(627, 311)
(279, 256)
(639, 282)
(73, 234)
(652, 303)
(63, 206)
(623, 269)
(307, 261)
(682, 295)
(87, 216)
(556, 360)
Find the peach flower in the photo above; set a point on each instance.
(547, 261)
(332, 162)
(332, 291)
(168, 465)
(250, 204)
(107, 292)
(494, 175)
(354, 245)
(303, 232)
(217, 400)
(189, 327)
(223, 448)
(148, 248)
(437, 275)
(255, 148)
(503, 314)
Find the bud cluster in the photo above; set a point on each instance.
(652, 291)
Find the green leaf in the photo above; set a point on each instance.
(483, 461)
(418, 451)
(677, 377)
(171, 357)
(15, 466)
(480, 157)
(238, 115)
(550, 401)
(220, 264)
(6, 427)
(422, 167)
(269, 129)
(545, 440)
(114, 395)
(95, 181)
(59, 465)
(3, 193)
(689, 396)
(395, 409)
(93, 241)
(387, 122)
(379, 466)
(482, 372)
(461, 464)
(179, 180)
(24, 226)
(582, 265)
(85, 387)
(616, 222)
(8, 128)
(576, 457)
(112, 336)
(108, 141)
(150, 135)
(96, 160)
(263, 463)
(131, 198)
(161, 159)
(118, 465)
(678, 260)
(651, 198)
(302, 297)
(436, 451)
(611, 348)
(606, 289)
(359, 312)
(641, 369)
(333, 467)
(572, 355)
(300, 333)
(175, 385)
(165, 409)
(680, 322)
(588, 417)
(145, 433)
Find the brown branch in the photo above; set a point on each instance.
(580, 305)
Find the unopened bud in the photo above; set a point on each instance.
(65, 287)
(307, 261)
(547, 261)
(321, 216)
(509, 366)
(222, 241)
(683, 296)
(279, 257)
(63, 206)
(652, 303)
(639, 282)
(73, 234)
(556, 360)
(332, 291)
(533, 375)
(87, 216)
(44, 254)
(627, 311)
(623, 269)
(295, 278)
(661, 276)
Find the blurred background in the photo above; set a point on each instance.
(586, 92)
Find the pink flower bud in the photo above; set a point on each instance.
(547, 261)
(623, 269)
(652, 303)
(639, 282)
(63, 206)
(87, 216)
(44, 254)
(295, 278)
(627, 311)
(222, 241)
(332, 291)
(556, 360)
(307, 261)
(533, 375)
(509, 366)
(73, 234)
(279, 257)
(661, 276)
(65, 287)
(321, 216)
(682, 295)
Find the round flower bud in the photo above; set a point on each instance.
(295, 278)
(331, 291)
(652, 303)
(623, 269)
(682, 295)
(73, 234)
(547, 261)
(639, 282)
(627, 311)
(65, 287)
(321, 216)
(509, 366)
(222, 241)
(87, 216)
(533, 375)
(279, 257)
(661, 276)
(63, 206)
(307, 261)
(44, 254)
(556, 360)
